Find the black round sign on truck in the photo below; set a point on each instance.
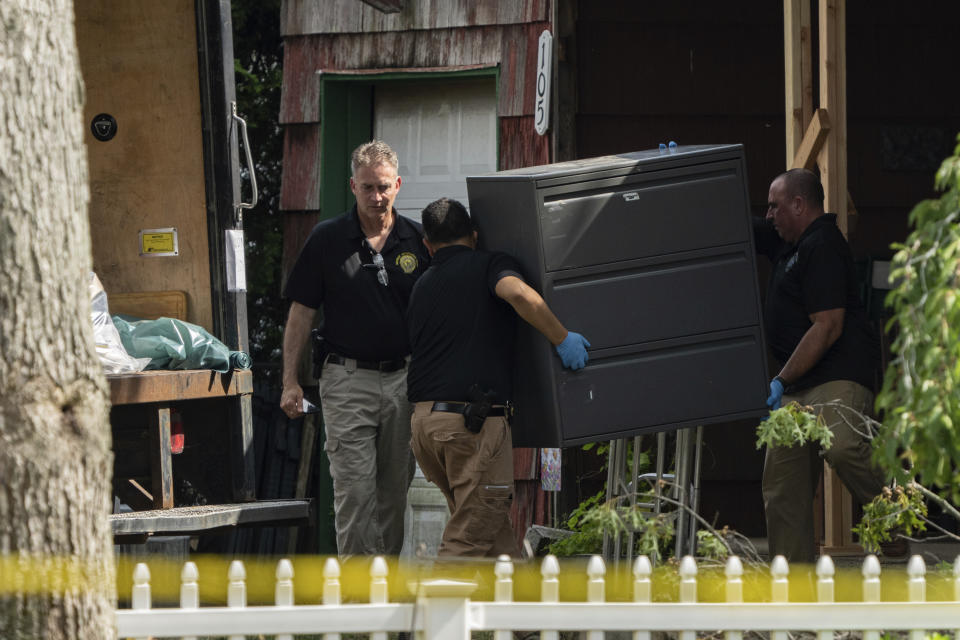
(103, 126)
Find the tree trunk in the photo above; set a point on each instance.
(56, 553)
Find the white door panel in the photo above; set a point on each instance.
(442, 131)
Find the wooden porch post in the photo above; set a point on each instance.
(798, 72)
(820, 137)
(833, 156)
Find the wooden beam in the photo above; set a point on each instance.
(832, 157)
(242, 459)
(798, 73)
(134, 495)
(161, 461)
(165, 385)
(846, 200)
(838, 516)
(806, 63)
(307, 445)
(813, 140)
(832, 160)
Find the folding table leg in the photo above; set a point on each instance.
(161, 459)
(242, 458)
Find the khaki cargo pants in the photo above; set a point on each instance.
(791, 474)
(475, 473)
(367, 423)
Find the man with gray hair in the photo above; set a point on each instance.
(360, 267)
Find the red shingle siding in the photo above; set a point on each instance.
(296, 227)
(305, 55)
(520, 145)
(518, 68)
(513, 47)
(300, 188)
(305, 17)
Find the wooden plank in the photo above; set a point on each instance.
(793, 100)
(149, 304)
(169, 386)
(134, 495)
(844, 198)
(300, 92)
(813, 141)
(798, 73)
(806, 64)
(161, 459)
(832, 161)
(242, 458)
(307, 447)
(301, 17)
(830, 158)
(838, 516)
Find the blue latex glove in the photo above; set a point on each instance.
(573, 351)
(776, 394)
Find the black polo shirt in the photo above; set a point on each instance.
(361, 318)
(461, 332)
(816, 274)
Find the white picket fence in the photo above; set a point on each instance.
(443, 608)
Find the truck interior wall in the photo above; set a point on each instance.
(139, 63)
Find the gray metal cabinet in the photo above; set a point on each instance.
(650, 256)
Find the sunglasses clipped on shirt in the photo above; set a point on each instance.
(381, 268)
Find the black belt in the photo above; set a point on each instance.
(460, 407)
(386, 366)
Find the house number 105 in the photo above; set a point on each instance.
(541, 114)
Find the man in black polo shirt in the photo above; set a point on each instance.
(462, 336)
(817, 327)
(360, 267)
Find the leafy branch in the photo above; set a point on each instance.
(653, 533)
(899, 511)
(894, 512)
(920, 436)
(793, 424)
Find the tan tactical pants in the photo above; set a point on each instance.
(475, 473)
(367, 422)
(791, 474)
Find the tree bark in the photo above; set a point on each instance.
(56, 553)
